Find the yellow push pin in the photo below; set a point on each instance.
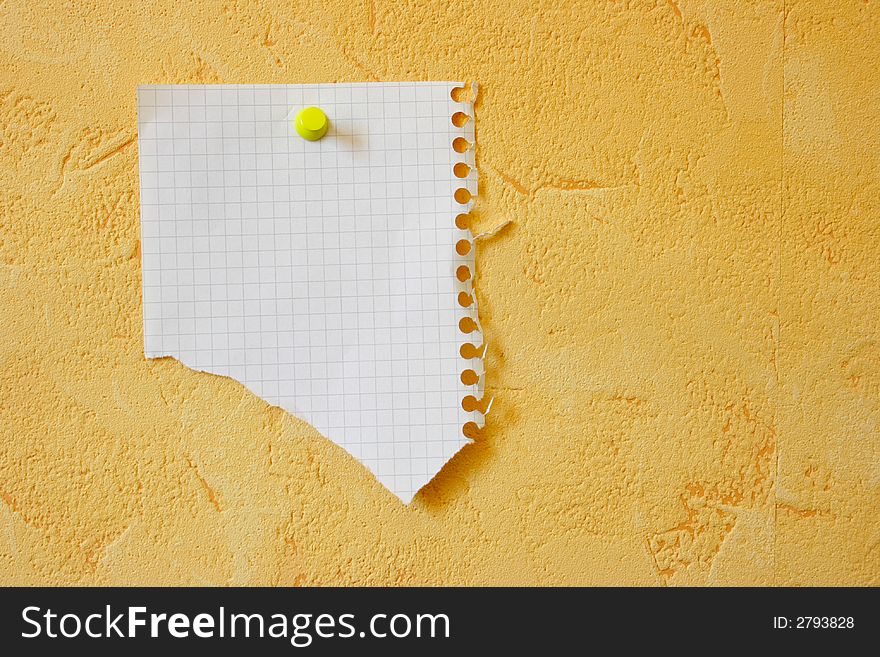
(311, 123)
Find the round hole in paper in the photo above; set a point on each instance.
(459, 119)
(471, 430)
(467, 325)
(462, 195)
(469, 351)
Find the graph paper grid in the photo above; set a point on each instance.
(320, 275)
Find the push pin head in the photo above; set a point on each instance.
(311, 123)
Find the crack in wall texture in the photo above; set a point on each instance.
(683, 314)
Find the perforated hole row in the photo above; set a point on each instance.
(467, 325)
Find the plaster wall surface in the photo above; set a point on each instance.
(682, 315)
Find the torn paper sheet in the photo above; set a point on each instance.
(321, 275)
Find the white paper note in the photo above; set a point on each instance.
(321, 275)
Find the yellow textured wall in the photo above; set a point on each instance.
(684, 315)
